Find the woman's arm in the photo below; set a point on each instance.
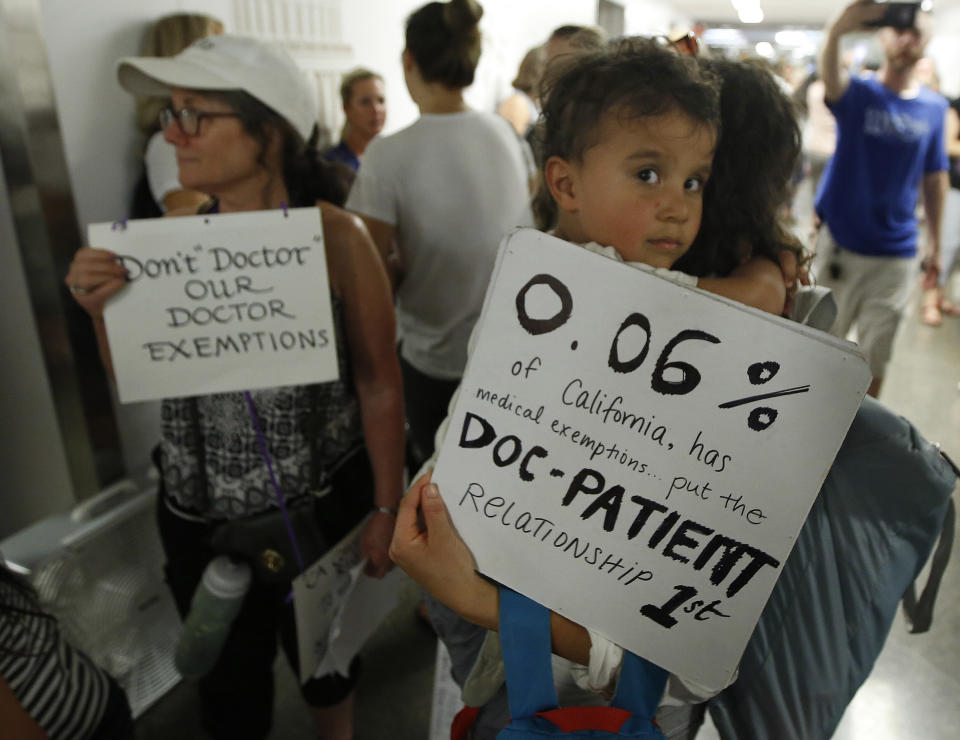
(517, 113)
(359, 278)
(385, 238)
(758, 282)
(952, 128)
(426, 545)
(16, 723)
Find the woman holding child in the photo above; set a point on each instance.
(242, 119)
(629, 140)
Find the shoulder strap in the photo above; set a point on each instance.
(525, 639)
(919, 613)
(640, 687)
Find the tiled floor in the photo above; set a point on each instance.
(913, 692)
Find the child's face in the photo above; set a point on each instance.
(640, 188)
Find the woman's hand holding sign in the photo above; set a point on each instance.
(95, 276)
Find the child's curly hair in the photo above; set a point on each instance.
(754, 160)
(634, 77)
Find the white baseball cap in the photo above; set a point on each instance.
(263, 70)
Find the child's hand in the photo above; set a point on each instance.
(426, 546)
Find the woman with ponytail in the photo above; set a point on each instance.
(438, 197)
(243, 120)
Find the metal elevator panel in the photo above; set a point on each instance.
(46, 234)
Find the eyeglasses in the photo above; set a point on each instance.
(188, 119)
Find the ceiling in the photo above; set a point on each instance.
(776, 12)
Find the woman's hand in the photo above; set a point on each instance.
(426, 545)
(794, 275)
(375, 544)
(94, 277)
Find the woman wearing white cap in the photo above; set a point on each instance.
(242, 119)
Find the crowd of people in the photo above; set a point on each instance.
(412, 222)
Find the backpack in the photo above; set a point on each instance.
(525, 637)
(882, 507)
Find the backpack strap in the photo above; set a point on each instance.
(525, 637)
(640, 687)
(919, 612)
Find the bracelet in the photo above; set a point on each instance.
(386, 510)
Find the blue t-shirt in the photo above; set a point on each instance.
(885, 145)
(343, 154)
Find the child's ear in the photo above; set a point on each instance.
(558, 174)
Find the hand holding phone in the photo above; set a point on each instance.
(897, 15)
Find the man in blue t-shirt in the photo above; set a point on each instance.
(890, 149)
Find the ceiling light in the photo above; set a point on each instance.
(749, 11)
(765, 49)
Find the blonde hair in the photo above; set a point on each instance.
(351, 78)
(167, 37)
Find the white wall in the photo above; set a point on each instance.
(510, 28)
(650, 17)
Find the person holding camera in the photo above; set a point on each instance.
(890, 145)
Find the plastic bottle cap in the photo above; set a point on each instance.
(226, 578)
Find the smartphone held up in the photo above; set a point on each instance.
(897, 15)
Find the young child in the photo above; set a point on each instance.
(629, 134)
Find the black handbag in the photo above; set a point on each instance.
(318, 523)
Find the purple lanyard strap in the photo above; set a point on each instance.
(281, 500)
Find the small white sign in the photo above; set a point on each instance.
(337, 607)
(219, 303)
(639, 456)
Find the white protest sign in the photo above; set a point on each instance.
(639, 456)
(219, 303)
(337, 607)
(367, 605)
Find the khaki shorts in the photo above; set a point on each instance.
(871, 293)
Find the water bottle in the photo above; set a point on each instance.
(215, 605)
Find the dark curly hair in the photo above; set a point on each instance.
(634, 76)
(754, 160)
(444, 40)
(307, 175)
